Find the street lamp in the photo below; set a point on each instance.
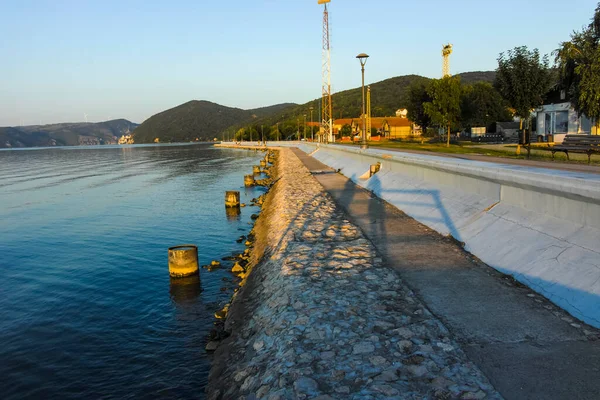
(362, 57)
(305, 127)
(312, 132)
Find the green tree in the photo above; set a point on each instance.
(444, 107)
(418, 95)
(481, 105)
(578, 62)
(522, 78)
(346, 130)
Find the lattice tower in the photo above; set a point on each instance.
(446, 51)
(326, 105)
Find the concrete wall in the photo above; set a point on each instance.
(540, 226)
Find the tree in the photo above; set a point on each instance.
(578, 62)
(444, 107)
(346, 130)
(418, 95)
(522, 78)
(481, 105)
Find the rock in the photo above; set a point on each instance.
(479, 395)
(404, 333)
(215, 263)
(378, 360)
(385, 389)
(249, 384)
(327, 355)
(417, 370)
(258, 345)
(263, 391)
(237, 268)
(363, 348)
(306, 385)
(241, 239)
(446, 347)
(342, 389)
(254, 217)
(212, 345)
(389, 375)
(404, 345)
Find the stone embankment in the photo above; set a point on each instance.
(319, 316)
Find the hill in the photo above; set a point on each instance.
(387, 96)
(197, 119)
(65, 134)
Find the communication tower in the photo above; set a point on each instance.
(326, 106)
(446, 51)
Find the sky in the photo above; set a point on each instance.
(61, 59)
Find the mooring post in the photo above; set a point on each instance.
(183, 260)
(232, 198)
(249, 180)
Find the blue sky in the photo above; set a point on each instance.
(131, 59)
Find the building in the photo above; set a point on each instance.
(558, 118)
(126, 139)
(387, 127)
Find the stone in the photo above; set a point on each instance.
(389, 375)
(404, 345)
(479, 395)
(378, 360)
(212, 345)
(237, 268)
(417, 370)
(342, 389)
(363, 348)
(306, 385)
(258, 345)
(385, 389)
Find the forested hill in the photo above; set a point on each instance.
(387, 96)
(200, 120)
(65, 134)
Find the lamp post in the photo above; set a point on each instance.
(312, 132)
(304, 127)
(362, 57)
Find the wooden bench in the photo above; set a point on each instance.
(586, 144)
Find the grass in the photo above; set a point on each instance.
(486, 150)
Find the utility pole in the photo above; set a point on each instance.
(277, 131)
(298, 132)
(312, 132)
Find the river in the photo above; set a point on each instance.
(87, 308)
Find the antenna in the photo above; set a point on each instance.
(326, 106)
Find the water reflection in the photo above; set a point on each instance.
(233, 213)
(185, 290)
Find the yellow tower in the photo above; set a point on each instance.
(368, 112)
(446, 51)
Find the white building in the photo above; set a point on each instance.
(560, 119)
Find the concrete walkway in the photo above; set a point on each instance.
(558, 165)
(527, 347)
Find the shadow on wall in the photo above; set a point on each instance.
(374, 185)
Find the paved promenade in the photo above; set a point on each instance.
(526, 346)
(321, 316)
(555, 165)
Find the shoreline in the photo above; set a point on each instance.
(320, 316)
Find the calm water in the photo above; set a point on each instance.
(87, 309)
